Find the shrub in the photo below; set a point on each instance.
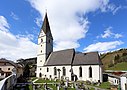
(88, 82)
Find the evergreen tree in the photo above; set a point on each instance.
(26, 72)
(116, 59)
(124, 54)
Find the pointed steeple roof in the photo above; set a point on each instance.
(45, 26)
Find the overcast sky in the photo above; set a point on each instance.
(86, 25)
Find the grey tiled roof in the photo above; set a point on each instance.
(124, 75)
(63, 57)
(3, 60)
(87, 58)
(69, 57)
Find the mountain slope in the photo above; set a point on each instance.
(111, 59)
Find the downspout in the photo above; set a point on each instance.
(72, 64)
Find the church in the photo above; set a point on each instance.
(65, 64)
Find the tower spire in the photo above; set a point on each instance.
(45, 26)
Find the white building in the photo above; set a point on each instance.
(123, 81)
(113, 79)
(119, 80)
(65, 63)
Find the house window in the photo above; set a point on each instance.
(2, 73)
(40, 68)
(41, 51)
(41, 45)
(64, 71)
(4, 63)
(80, 71)
(47, 69)
(8, 68)
(0, 68)
(117, 82)
(90, 72)
(55, 71)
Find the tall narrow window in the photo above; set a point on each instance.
(41, 40)
(80, 71)
(64, 71)
(47, 69)
(40, 75)
(55, 71)
(49, 40)
(90, 72)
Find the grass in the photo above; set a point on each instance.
(30, 87)
(45, 81)
(108, 58)
(92, 89)
(104, 85)
(51, 86)
(33, 78)
(119, 66)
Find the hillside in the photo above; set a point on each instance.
(114, 60)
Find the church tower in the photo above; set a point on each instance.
(45, 45)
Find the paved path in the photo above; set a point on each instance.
(34, 80)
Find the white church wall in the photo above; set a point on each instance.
(51, 71)
(96, 73)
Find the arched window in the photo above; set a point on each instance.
(64, 71)
(41, 40)
(49, 40)
(55, 71)
(80, 71)
(47, 69)
(90, 72)
(40, 75)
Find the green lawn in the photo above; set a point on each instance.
(33, 78)
(45, 81)
(49, 85)
(92, 89)
(119, 66)
(105, 85)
